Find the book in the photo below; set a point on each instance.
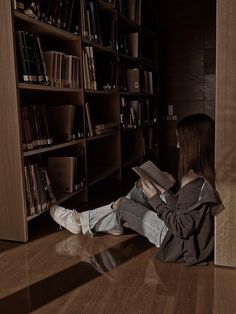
(61, 119)
(149, 171)
(133, 44)
(105, 127)
(133, 81)
(89, 120)
(61, 171)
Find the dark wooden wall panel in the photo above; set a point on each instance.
(187, 62)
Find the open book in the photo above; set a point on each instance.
(149, 171)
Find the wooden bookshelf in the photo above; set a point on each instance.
(39, 27)
(106, 149)
(45, 88)
(51, 148)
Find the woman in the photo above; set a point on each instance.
(182, 224)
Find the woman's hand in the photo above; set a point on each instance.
(148, 189)
(169, 176)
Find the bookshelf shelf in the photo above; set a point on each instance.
(149, 63)
(45, 88)
(128, 21)
(60, 199)
(98, 47)
(36, 215)
(51, 148)
(100, 92)
(125, 56)
(149, 95)
(97, 137)
(43, 28)
(125, 130)
(98, 174)
(131, 94)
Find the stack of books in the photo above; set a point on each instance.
(90, 22)
(89, 73)
(39, 194)
(35, 130)
(64, 14)
(32, 67)
(130, 117)
(63, 70)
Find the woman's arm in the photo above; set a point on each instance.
(181, 221)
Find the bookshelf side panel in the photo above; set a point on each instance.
(225, 245)
(12, 203)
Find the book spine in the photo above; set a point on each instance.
(32, 169)
(22, 57)
(29, 198)
(42, 61)
(90, 126)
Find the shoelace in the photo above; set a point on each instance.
(64, 216)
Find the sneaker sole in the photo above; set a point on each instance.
(115, 233)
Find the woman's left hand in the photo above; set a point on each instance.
(148, 189)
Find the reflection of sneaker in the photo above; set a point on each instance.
(70, 247)
(65, 218)
(119, 230)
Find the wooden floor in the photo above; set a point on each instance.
(57, 272)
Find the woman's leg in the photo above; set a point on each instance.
(105, 218)
(101, 219)
(142, 220)
(133, 210)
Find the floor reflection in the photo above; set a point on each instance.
(88, 268)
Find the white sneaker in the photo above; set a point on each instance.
(65, 218)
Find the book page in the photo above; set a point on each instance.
(149, 171)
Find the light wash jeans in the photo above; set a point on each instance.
(134, 212)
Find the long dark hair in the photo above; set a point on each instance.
(196, 136)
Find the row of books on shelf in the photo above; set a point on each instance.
(96, 25)
(58, 69)
(63, 70)
(99, 71)
(64, 14)
(98, 127)
(130, 80)
(85, 17)
(45, 67)
(89, 74)
(128, 42)
(46, 125)
(63, 174)
(135, 113)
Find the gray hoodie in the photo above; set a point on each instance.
(189, 216)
